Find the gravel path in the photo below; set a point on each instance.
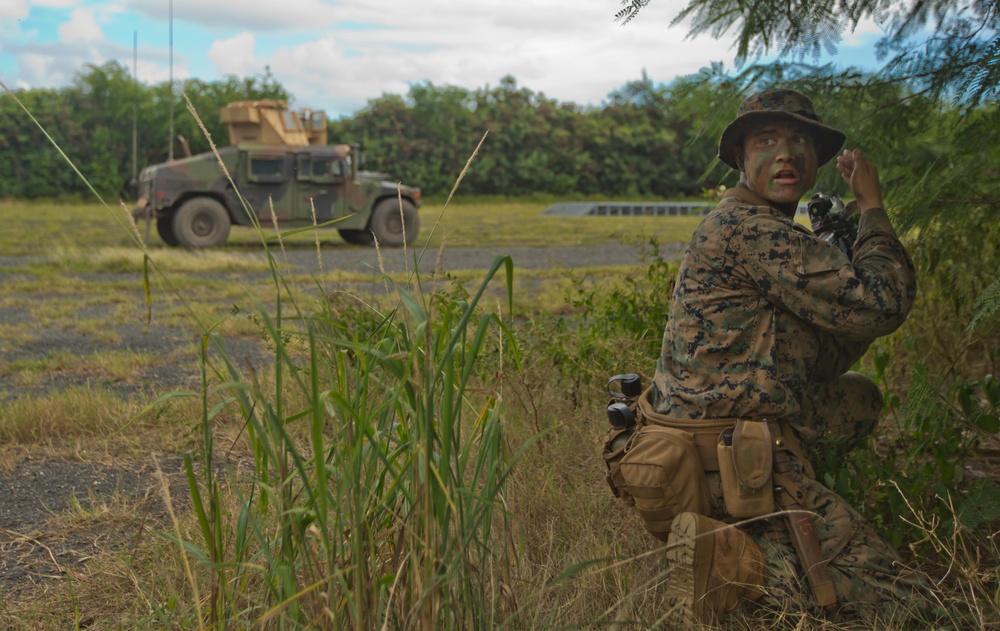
(452, 259)
(36, 545)
(159, 341)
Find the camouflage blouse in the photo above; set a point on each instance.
(762, 308)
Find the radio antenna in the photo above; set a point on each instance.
(170, 153)
(135, 105)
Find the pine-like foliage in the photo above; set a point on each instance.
(944, 47)
(630, 9)
(988, 306)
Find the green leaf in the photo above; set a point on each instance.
(987, 422)
(881, 361)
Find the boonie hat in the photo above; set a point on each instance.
(782, 105)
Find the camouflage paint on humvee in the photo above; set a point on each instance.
(194, 203)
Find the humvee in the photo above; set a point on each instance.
(281, 165)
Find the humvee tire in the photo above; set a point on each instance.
(357, 237)
(201, 222)
(165, 228)
(385, 222)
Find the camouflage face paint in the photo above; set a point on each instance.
(779, 163)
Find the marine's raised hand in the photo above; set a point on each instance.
(862, 176)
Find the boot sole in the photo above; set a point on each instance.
(690, 560)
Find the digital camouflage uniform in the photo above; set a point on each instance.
(765, 321)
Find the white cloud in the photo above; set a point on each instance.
(575, 55)
(54, 65)
(258, 16)
(235, 55)
(82, 27)
(55, 4)
(44, 69)
(32, 66)
(862, 32)
(337, 56)
(320, 74)
(151, 72)
(12, 12)
(13, 9)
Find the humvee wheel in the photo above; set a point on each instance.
(357, 237)
(201, 222)
(165, 228)
(385, 222)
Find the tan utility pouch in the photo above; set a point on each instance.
(745, 464)
(614, 450)
(706, 432)
(663, 476)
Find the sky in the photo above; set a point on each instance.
(338, 54)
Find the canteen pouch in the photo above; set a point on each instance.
(663, 476)
(745, 464)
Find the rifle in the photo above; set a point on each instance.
(837, 227)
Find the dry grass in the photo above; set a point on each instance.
(98, 560)
(102, 366)
(76, 260)
(76, 412)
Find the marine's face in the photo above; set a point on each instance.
(779, 162)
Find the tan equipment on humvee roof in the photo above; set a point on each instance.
(270, 122)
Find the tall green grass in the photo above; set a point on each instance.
(378, 486)
(377, 471)
(379, 462)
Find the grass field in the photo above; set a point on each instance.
(283, 450)
(464, 224)
(84, 372)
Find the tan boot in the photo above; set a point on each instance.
(712, 566)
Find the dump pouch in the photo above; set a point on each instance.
(706, 432)
(745, 465)
(663, 476)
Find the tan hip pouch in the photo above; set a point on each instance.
(662, 476)
(745, 463)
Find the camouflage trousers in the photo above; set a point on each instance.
(865, 569)
(842, 412)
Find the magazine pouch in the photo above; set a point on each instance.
(745, 464)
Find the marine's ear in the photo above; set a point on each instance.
(738, 157)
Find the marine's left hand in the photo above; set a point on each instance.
(862, 176)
